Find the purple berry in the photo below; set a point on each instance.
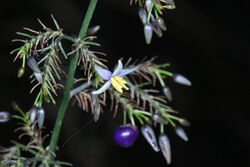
(125, 135)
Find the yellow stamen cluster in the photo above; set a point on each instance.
(118, 83)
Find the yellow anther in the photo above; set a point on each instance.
(118, 83)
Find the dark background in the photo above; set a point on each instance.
(207, 41)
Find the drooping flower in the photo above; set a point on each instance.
(115, 79)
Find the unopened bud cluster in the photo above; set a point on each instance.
(153, 22)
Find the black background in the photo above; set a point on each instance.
(207, 41)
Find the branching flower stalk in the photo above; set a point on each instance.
(131, 88)
(70, 78)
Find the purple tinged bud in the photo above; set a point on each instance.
(180, 79)
(157, 118)
(4, 116)
(148, 33)
(167, 93)
(149, 135)
(149, 5)
(165, 147)
(181, 133)
(156, 27)
(33, 114)
(40, 117)
(143, 15)
(161, 23)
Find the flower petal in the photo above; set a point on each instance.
(32, 63)
(118, 68)
(104, 73)
(127, 71)
(103, 88)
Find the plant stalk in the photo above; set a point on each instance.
(70, 77)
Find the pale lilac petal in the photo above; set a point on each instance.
(32, 63)
(118, 68)
(127, 71)
(103, 88)
(104, 73)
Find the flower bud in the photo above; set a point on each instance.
(165, 147)
(20, 72)
(167, 93)
(157, 118)
(149, 135)
(181, 133)
(148, 33)
(4, 116)
(178, 78)
(149, 5)
(161, 23)
(184, 122)
(33, 114)
(156, 27)
(143, 15)
(93, 30)
(40, 117)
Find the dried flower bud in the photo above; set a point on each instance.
(157, 118)
(181, 133)
(169, 4)
(4, 116)
(167, 93)
(40, 117)
(148, 33)
(149, 135)
(165, 147)
(33, 114)
(20, 72)
(161, 23)
(178, 78)
(96, 106)
(184, 122)
(143, 15)
(148, 5)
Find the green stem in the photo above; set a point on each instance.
(69, 81)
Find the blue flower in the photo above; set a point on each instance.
(115, 79)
